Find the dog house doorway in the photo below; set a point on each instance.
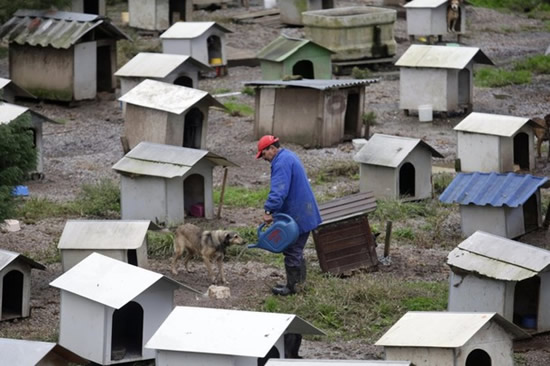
(521, 150)
(176, 10)
(214, 44)
(351, 118)
(127, 333)
(193, 195)
(407, 180)
(478, 357)
(464, 88)
(531, 214)
(304, 68)
(192, 131)
(273, 353)
(184, 81)
(132, 257)
(104, 72)
(526, 302)
(12, 295)
(91, 6)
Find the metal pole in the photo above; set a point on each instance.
(222, 192)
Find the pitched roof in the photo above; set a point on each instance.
(103, 234)
(347, 207)
(186, 30)
(225, 332)
(6, 257)
(492, 189)
(157, 65)
(425, 3)
(57, 29)
(9, 112)
(320, 84)
(492, 124)
(165, 161)
(109, 281)
(24, 352)
(390, 151)
(8, 84)
(442, 329)
(444, 57)
(283, 46)
(166, 97)
(499, 258)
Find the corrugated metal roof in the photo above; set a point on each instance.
(16, 89)
(493, 189)
(283, 46)
(57, 29)
(166, 97)
(285, 362)
(6, 257)
(167, 161)
(425, 3)
(390, 151)
(225, 332)
(9, 112)
(350, 206)
(109, 281)
(103, 234)
(444, 57)
(156, 65)
(500, 258)
(492, 124)
(187, 30)
(442, 329)
(311, 83)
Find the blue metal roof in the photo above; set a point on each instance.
(493, 189)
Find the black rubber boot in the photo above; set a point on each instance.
(292, 278)
(303, 274)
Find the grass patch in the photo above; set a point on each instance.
(329, 173)
(247, 90)
(406, 233)
(238, 109)
(221, 91)
(441, 181)
(160, 244)
(492, 77)
(525, 6)
(241, 196)
(539, 64)
(397, 210)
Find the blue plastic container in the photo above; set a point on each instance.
(277, 237)
(20, 191)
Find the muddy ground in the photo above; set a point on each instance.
(86, 145)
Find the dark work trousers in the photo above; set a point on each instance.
(294, 253)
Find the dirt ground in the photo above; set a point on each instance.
(86, 145)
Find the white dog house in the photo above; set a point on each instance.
(164, 183)
(438, 76)
(89, 7)
(173, 69)
(429, 18)
(125, 240)
(204, 41)
(15, 284)
(158, 15)
(167, 114)
(23, 352)
(396, 167)
(495, 143)
(109, 309)
(9, 90)
(298, 362)
(205, 336)
(508, 205)
(452, 339)
(492, 273)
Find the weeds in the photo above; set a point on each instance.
(238, 109)
(160, 244)
(241, 196)
(539, 64)
(491, 78)
(369, 118)
(329, 173)
(247, 90)
(358, 73)
(441, 181)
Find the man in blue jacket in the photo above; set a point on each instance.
(290, 193)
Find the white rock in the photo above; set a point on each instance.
(10, 225)
(218, 292)
(358, 143)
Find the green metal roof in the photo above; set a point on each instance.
(283, 47)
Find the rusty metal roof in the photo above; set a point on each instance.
(499, 258)
(57, 29)
(443, 57)
(187, 30)
(166, 161)
(390, 151)
(157, 65)
(425, 3)
(166, 97)
(6, 257)
(283, 46)
(311, 83)
(350, 206)
(492, 124)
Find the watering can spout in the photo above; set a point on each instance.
(276, 238)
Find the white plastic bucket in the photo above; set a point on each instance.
(425, 113)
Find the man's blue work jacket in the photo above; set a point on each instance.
(290, 191)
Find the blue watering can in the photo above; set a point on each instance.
(277, 237)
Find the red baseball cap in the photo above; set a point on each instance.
(265, 142)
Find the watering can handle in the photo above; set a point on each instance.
(275, 217)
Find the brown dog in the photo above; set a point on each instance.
(542, 132)
(453, 15)
(209, 244)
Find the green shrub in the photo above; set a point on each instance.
(247, 90)
(369, 118)
(101, 200)
(238, 109)
(38, 208)
(491, 78)
(358, 73)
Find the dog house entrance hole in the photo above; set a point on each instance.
(521, 150)
(478, 357)
(303, 68)
(184, 81)
(127, 334)
(351, 119)
(531, 214)
(406, 180)
(192, 132)
(132, 257)
(177, 11)
(526, 300)
(91, 6)
(273, 353)
(12, 295)
(464, 87)
(214, 44)
(193, 195)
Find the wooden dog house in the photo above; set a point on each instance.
(24, 352)
(164, 183)
(507, 205)
(396, 167)
(158, 15)
(429, 18)
(495, 143)
(15, 284)
(125, 240)
(452, 339)
(109, 309)
(205, 336)
(492, 273)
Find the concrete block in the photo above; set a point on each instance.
(218, 292)
(10, 226)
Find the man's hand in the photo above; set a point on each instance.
(268, 218)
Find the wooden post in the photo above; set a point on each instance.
(125, 144)
(387, 240)
(222, 192)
